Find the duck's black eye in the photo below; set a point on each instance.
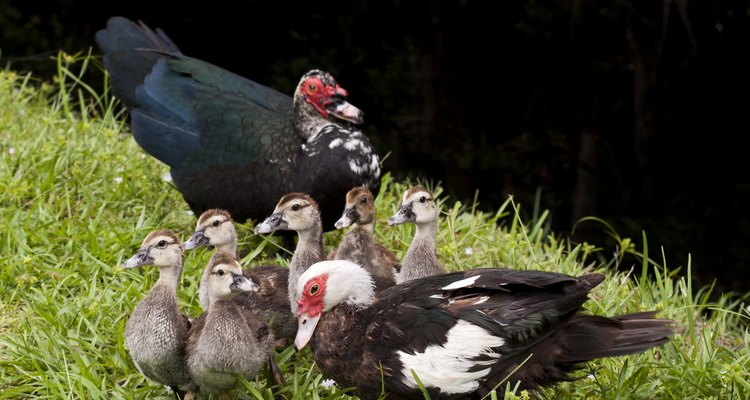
(422, 199)
(295, 207)
(364, 200)
(220, 272)
(162, 244)
(216, 223)
(314, 288)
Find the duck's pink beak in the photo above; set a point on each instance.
(305, 329)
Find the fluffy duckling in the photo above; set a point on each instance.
(156, 331)
(227, 340)
(359, 244)
(215, 228)
(297, 212)
(418, 207)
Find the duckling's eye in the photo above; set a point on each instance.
(364, 200)
(220, 272)
(162, 244)
(295, 207)
(422, 199)
(312, 88)
(314, 288)
(215, 223)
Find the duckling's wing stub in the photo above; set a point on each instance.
(271, 301)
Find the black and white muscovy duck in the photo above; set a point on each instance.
(461, 333)
(232, 143)
(418, 207)
(359, 245)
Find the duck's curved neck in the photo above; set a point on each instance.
(230, 248)
(309, 251)
(425, 234)
(421, 257)
(369, 226)
(309, 248)
(170, 277)
(308, 124)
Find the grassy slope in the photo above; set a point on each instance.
(77, 196)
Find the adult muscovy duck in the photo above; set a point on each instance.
(461, 333)
(232, 143)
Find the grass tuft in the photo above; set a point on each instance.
(77, 196)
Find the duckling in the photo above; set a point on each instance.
(227, 340)
(418, 207)
(297, 212)
(215, 227)
(359, 244)
(156, 331)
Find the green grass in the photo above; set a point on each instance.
(77, 197)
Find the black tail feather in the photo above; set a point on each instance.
(129, 54)
(583, 338)
(588, 337)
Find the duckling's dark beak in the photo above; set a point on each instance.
(403, 215)
(196, 240)
(349, 217)
(241, 284)
(140, 259)
(273, 223)
(342, 109)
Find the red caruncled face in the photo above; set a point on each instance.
(312, 296)
(320, 95)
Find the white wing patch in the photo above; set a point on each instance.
(374, 163)
(447, 366)
(355, 167)
(335, 143)
(462, 283)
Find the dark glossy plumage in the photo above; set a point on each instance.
(462, 332)
(217, 130)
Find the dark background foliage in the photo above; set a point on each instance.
(631, 111)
